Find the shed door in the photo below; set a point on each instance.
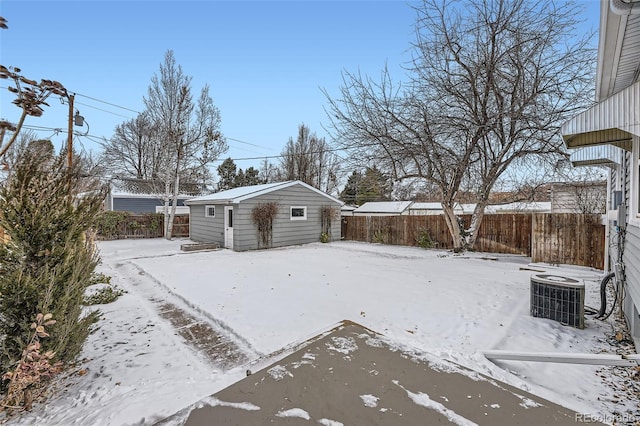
(228, 227)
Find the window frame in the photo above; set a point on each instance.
(304, 213)
(206, 210)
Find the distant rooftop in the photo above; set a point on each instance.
(131, 186)
(393, 207)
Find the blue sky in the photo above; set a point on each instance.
(265, 61)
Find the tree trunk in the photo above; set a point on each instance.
(174, 202)
(459, 243)
(474, 227)
(165, 208)
(15, 134)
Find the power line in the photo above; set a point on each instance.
(103, 110)
(138, 112)
(57, 130)
(247, 143)
(99, 139)
(108, 103)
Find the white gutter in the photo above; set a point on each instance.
(625, 7)
(631, 360)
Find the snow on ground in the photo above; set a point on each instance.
(137, 370)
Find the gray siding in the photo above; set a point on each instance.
(206, 229)
(285, 231)
(632, 270)
(138, 205)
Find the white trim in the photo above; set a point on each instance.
(567, 358)
(614, 120)
(237, 195)
(292, 217)
(634, 185)
(206, 210)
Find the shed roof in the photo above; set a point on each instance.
(392, 207)
(237, 195)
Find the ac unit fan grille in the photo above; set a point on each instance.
(558, 298)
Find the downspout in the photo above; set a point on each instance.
(607, 223)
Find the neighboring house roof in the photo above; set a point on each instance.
(237, 195)
(391, 207)
(468, 208)
(431, 206)
(530, 207)
(426, 206)
(144, 188)
(398, 207)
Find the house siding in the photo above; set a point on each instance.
(285, 231)
(138, 205)
(579, 198)
(204, 229)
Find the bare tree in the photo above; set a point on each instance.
(189, 130)
(134, 150)
(268, 171)
(490, 84)
(579, 189)
(311, 160)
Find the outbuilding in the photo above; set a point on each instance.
(292, 213)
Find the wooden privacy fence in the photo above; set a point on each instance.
(575, 239)
(552, 238)
(139, 226)
(180, 226)
(136, 226)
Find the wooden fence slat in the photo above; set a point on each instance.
(137, 226)
(565, 238)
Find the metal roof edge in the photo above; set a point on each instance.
(262, 191)
(285, 184)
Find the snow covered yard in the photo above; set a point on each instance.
(138, 370)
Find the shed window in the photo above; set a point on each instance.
(210, 211)
(298, 213)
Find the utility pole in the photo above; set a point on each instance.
(70, 133)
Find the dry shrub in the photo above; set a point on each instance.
(33, 370)
(327, 215)
(263, 215)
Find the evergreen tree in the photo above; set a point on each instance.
(374, 186)
(228, 175)
(350, 192)
(240, 179)
(251, 177)
(47, 263)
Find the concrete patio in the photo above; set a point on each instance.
(353, 376)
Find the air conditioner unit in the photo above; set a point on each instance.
(558, 298)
